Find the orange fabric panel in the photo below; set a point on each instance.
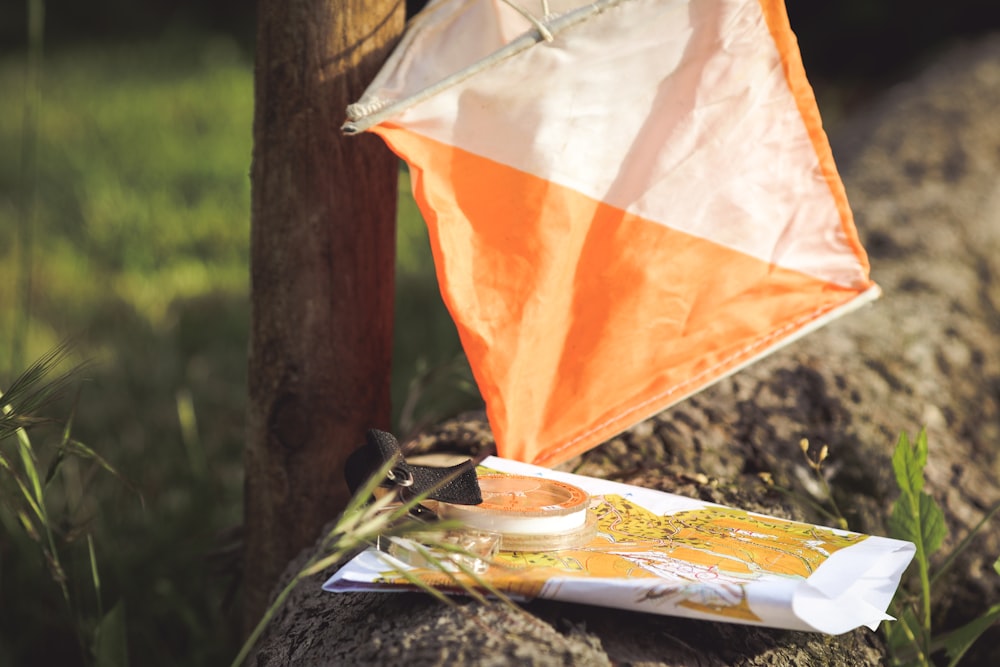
(581, 319)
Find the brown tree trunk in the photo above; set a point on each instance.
(322, 258)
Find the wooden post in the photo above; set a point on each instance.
(322, 260)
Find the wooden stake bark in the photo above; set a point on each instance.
(322, 258)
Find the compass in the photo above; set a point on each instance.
(530, 513)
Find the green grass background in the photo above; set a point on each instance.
(139, 255)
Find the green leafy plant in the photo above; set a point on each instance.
(916, 517)
(28, 472)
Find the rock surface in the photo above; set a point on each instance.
(922, 170)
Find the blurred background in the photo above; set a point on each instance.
(125, 147)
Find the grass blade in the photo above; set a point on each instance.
(961, 546)
(321, 564)
(95, 577)
(960, 640)
(447, 567)
(5, 464)
(483, 583)
(414, 580)
(29, 527)
(28, 463)
(265, 619)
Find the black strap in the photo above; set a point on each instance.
(456, 484)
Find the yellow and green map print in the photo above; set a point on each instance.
(703, 557)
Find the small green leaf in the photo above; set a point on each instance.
(95, 576)
(908, 461)
(933, 529)
(110, 643)
(996, 566)
(902, 524)
(29, 528)
(915, 517)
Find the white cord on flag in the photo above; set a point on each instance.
(533, 20)
(364, 115)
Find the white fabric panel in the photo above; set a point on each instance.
(675, 110)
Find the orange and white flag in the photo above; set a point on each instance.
(627, 201)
